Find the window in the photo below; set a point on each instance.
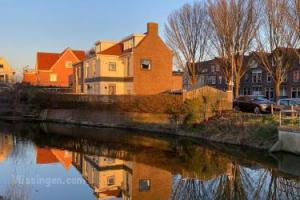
(110, 180)
(257, 91)
(283, 91)
(112, 89)
(296, 76)
(204, 70)
(213, 68)
(1, 67)
(269, 93)
(220, 80)
(146, 64)
(201, 80)
(269, 78)
(144, 185)
(256, 76)
(211, 80)
(246, 91)
(217, 68)
(68, 64)
(295, 92)
(112, 66)
(53, 77)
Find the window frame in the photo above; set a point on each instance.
(150, 64)
(110, 64)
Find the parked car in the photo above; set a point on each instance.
(287, 104)
(252, 103)
(280, 97)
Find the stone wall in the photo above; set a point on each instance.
(130, 120)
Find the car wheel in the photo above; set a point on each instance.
(257, 110)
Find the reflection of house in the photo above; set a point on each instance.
(50, 156)
(53, 69)
(106, 176)
(139, 64)
(6, 146)
(112, 178)
(6, 72)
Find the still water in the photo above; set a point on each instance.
(50, 161)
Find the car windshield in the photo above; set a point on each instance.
(294, 103)
(259, 98)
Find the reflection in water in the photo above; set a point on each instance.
(141, 167)
(6, 146)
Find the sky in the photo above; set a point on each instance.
(28, 26)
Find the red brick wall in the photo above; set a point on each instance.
(159, 78)
(177, 82)
(30, 78)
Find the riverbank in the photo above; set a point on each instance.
(242, 129)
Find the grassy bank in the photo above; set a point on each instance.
(258, 131)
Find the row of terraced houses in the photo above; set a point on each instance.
(139, 64)
(256, 80)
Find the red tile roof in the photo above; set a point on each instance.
(46, 60)
(116, 49)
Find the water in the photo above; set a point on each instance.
(47, 161)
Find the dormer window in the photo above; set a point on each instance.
(145, 64)
(68, 64)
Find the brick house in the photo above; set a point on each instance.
(7, 73)
(53, 69)
(139, 64)
(256, 81)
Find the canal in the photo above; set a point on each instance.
(52, 161)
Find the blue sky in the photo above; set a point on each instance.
(28, 26)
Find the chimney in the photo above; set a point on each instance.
(152, 28)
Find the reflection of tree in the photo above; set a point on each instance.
(16, 191)
(239, 183)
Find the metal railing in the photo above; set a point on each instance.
(289, 119)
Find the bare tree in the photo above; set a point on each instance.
(276, 42)
(187, 33)
(234, 26)
(292, 13)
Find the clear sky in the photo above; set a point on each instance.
(28, 26)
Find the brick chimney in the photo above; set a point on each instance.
(152, 28)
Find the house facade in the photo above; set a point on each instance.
(256, 81)
(53, 69)
(7, 73)
(140, 64)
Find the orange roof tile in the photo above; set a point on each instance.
(116, 49)
(46, 60)
(45, 156)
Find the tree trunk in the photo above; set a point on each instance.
(237, 85)
(277, 90)
(192, 74)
